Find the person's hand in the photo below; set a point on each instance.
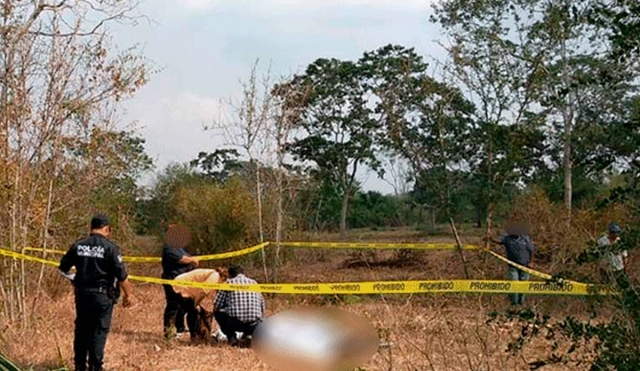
(195, 262)
(128, 302)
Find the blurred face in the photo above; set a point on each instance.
(177, 236)
(613, 236)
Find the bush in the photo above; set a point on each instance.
(221, 218)
(556, 240)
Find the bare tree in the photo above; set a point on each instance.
(287, 108)
(247, 129)
(59, 87)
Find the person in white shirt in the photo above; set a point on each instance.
(617, 259)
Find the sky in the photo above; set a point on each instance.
(202, 49)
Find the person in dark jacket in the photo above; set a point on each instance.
(175, 261)
(519, 249)
(99, 268)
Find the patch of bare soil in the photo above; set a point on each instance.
(424, 332)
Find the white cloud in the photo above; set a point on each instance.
(173, 125)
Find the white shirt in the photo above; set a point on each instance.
(616, 260)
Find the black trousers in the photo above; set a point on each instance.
(175, 310)
(94, 309)
(230, 325)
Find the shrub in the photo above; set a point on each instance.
(220, 218)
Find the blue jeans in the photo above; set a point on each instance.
(515, 274)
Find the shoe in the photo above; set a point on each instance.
(179, 335)
(234, 342)
(245, 342)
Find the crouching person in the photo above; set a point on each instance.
(238, 311)
(193, 300)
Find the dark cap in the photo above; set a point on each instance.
(614, 228)
(99, 221)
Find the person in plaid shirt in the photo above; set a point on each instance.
(238, 311)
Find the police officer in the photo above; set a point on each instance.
(99, 270)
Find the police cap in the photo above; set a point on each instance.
(99, 221)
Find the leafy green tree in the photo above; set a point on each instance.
(502, 81)
(336, 125)
(218, 165)
(545, 62)
(156, 208)
(426, 121)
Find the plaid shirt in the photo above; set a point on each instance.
(246, 306)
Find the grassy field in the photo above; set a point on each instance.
(425, 332)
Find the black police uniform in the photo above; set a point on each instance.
(98, 263)
(176, 305)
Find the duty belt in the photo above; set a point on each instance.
(100, 289)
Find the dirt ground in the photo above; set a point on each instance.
(425, 332)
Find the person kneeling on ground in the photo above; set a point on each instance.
(238, 311)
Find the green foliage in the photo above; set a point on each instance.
(425, 121)
(372, 209)
(218, 165)
(629, 240)
(220, 218)
(622, 20)
(337, 123)
(156, 208)
(7, 365)
(610, 345)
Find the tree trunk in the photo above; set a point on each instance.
(462, 257)
(260, 227)
(343, 213)
(279, 211)
(478, 216)
(567, 114)
(489, 224)
(345, 199)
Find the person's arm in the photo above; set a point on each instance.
(186, 259)
(120, 272)
(532, 251)
(625, 260)
(221, 300)
(128, 298)
(68, 261)
(179, 256)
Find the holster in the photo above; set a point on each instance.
(113, 292)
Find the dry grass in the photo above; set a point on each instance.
(444, 332)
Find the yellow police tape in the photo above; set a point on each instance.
(329, 245)
(398, 287)
(335, 245)
(322, 245)
(17, 255)
(380, 287)
(381, 246)
(157, 259)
